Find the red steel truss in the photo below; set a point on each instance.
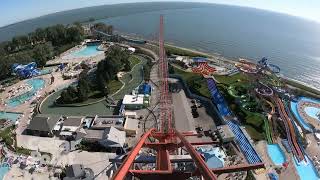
(167, 139)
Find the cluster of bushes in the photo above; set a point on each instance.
(116, 60)
(147, 70)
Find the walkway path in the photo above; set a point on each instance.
(131, 83)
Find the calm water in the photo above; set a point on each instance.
(291, 43)
(87, 52)
(36, 84)
(276, 154)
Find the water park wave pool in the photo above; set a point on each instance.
(276, 154)
(306, 170)
(88, 51)
(12, 116)
(309, 111)
(36, 85)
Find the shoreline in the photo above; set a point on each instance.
(290, 81)
(234, 61)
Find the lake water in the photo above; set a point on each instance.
(289, 42)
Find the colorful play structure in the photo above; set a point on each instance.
(267, 92)
(25, 71)
(203, 68)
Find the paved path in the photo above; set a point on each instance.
(182, 112)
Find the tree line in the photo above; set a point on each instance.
(39, 46)
(43, 44)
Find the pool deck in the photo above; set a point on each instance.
(302, 104)
(288, 173)
(63, 58)
(27, 108)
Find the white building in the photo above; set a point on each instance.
(136, 101)
(130, 114)
(109, 137)
(131, 126)
(72, 124)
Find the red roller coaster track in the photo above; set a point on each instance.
(168, 140)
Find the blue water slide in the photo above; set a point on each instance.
(243, 142)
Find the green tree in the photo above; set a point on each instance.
(43, 53)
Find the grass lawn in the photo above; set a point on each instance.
(254, 134)
(134, 60)
(230, 79)
(197, 84)
(114, 86)
(254, 119)
(182, 52)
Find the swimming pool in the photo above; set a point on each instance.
(302, 122)
(87, 51)
(12, 116)
(306, 170)
(276, 154)
(4, 168)
(45, 71)
(312, 112)
(36, 85)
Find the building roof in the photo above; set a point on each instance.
(115, 137)
(73, 121)
(133, 99)
(75, 170)
(130, 113)
(102, 122)
(43, 123)
(131, 124)
(94, 135)
(199, 59)
(110, 136)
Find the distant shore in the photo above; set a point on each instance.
(306, 89)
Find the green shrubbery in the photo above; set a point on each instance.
(107, 69)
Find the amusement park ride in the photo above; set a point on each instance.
(273, 94)
(165, 141)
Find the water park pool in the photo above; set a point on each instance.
(309, 111)
(12, 116)
(312, 111)
(4, 168)
(306, 170)
(36, 85)
(276, 154)
(45, 71)
(87, 51)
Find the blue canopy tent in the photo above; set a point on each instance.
(145, 89)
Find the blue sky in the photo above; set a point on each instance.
(17, 10)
